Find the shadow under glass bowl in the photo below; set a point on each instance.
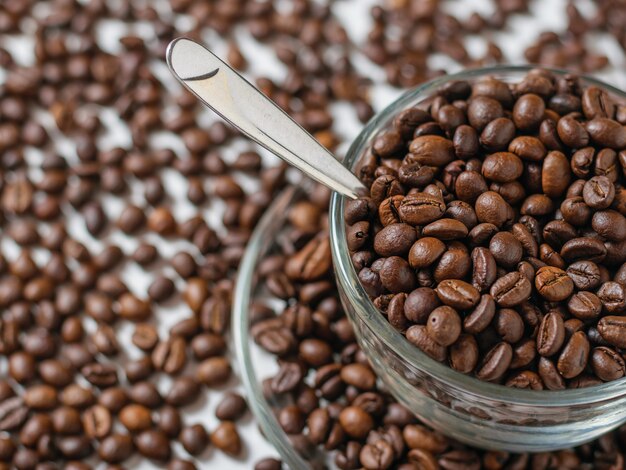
(478, 413)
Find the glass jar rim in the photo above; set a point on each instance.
(370, 315)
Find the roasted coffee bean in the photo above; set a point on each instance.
(551, 334)
(509, 325)
(425, 252)
(116, 448)
(495, 362)
(97, 422)
(584, 305)
(231, 407)
(553, 284)
(153, 444)
(194, 439)
(607, 363)
(394, 240)
(418, 335)
(574, 357)
(511, 289)
(226, 438)
(457, 294)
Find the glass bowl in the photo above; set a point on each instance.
(255, 364)
(484, 415)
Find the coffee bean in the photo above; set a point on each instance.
(153, 444)
(553, 284)
(231, 407)
(194, 439)
(613, 297)
(418, 335)
(226, 438)
(495, 363)
(135, 418)
(97, 422)
(443, 325)
(511, 289)
(607, 364)
(213, 371)
(170, 355)
(13, 413)
(420, 209)
(574, 357)
(457, 294)
(607, 132)
(116, 448)
(584, 305)
(506, 249)
(394, 239)
(551, 334)
(509, 325)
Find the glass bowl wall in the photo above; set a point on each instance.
(475, 412)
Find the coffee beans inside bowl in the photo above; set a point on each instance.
(494, 233)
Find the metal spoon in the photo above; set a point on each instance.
(241, 104)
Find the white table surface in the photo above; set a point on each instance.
(354, 14)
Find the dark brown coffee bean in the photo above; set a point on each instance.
(231, 407)
(194, 439)
(583, 248)
(97, 422)
(506, 249)
(396, 275)
(153, 444)
(550, 375)
(116, 448)
(607, 363)
(13, 413)
(418, 335)
(457, 294)
(446, 229)
(584, 305)
(528, 112)
(585, 274)
(551, 334)
(226, 438)
(425, 252)
(394, 240)
(613, 297)
(431, 150)
(495, 362)
(606, 132)
(574, 357)
(553, 284)
(510, 290)
(610, 225)
(502, 167)
(170, 355)
(491, 208)
(443, 325)
(420, 209)
(213, 371)
(509, 325)
(572, 133)
(483, 110)
(599, 192)
(497, 135)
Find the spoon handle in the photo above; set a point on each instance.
(238, 102)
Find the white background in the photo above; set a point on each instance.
(354, 14)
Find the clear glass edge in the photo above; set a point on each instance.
(347, 276)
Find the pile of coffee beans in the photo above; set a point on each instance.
(326, 396)
(494, 233)
(80, 216)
